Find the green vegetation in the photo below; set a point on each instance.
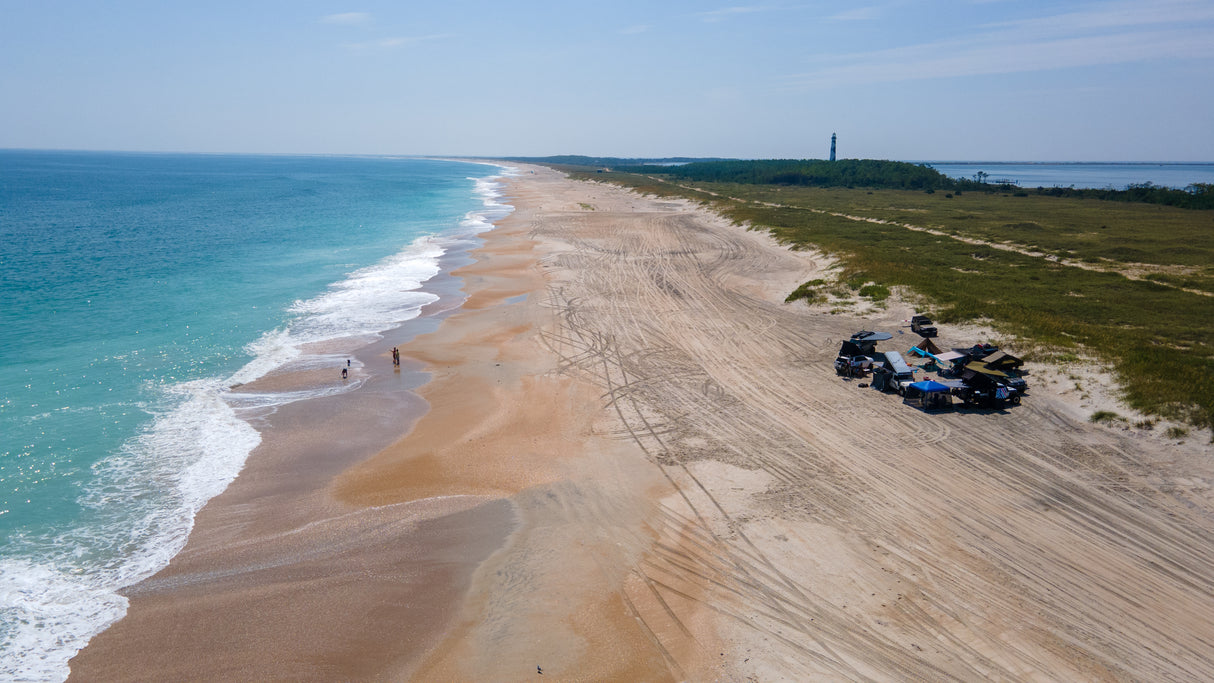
(580, 162)
(899, 175)
(808, 292)
(1176, 432)
(810, 173)
(1129, 283)
(875, 292)
(1195, 196)
(1105, 416)
(866, 173)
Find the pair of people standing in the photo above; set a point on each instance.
(345, 372)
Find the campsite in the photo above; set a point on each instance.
(982, 375)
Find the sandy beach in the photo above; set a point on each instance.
(624, 458)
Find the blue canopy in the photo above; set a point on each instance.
(928, 386)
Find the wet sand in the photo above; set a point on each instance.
(637, 464)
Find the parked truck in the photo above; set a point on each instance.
(922, 326)
(855, 355)
(985, 390)
(892, 373)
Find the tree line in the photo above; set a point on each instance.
(900, 175)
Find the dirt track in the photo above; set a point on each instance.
(836, 533)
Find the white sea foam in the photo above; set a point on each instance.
(371, 300)
(141, 507)
(49, 615)
(144, 498)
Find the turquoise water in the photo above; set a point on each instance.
(134, 290)
(1082, 175)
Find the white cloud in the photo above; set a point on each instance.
(1117, 33)
(1117, 15)
(857, 14)
(347, 19)
(393, 42)
(721, 14)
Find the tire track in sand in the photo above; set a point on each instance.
(837, 532)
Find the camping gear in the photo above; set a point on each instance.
(929, 395)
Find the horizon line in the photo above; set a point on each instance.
(507, 157)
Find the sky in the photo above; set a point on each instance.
(978, 80)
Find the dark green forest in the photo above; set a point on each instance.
(582, 162)
(866, 173)
(870, 173)
(900, 175)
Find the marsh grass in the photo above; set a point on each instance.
(1158, 338)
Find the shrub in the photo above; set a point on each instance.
(806, 291)
(1176, 432)
(875, 292)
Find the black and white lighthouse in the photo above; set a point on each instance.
(832, 146)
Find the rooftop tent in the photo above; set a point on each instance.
(1002, 360)
(980, 350)
(895, 362)
(863, 343)
(851, 348)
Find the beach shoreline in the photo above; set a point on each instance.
(281, 488)
(632, 461)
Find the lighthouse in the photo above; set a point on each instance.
(832, 146)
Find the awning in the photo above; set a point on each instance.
(980, 366)
(928, 386)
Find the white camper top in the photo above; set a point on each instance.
(897, 364)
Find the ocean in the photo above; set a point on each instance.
(135, 290)
(1081, 175)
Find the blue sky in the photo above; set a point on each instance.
(925, 80)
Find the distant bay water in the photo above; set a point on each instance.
(135, 289)
(1081, 175)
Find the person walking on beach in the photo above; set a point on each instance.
(345, 373)
(396, 356)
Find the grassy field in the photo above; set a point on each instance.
(1132, 284)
